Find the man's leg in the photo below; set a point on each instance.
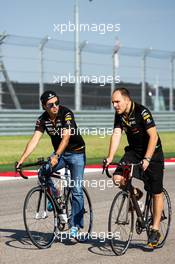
(47, 169)
(76, 164)
(154, 184)
(130, 156)
(119, 180)
(154, 236)
(157, 210)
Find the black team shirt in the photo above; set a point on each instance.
(135, 124)
(64, 119)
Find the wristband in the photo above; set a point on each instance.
(148, 159)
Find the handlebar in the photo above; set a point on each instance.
(123, 165)
(19, 169)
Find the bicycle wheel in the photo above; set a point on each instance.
(84, 232)
(40, 224)
(165, 218)
(120, 223)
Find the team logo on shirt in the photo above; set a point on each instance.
(38, 122)
(129, 122)
(68, 118)
(146, 117)
(148, 120)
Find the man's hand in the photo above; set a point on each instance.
(17, 166)
(108, 161)
(54, 160)
(145, 164)
(105, 164)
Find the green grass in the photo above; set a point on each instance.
(11, 148)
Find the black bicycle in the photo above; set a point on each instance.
(121, 217)
(44, 225)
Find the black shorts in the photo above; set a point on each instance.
(152, 177)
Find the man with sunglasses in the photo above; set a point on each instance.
(69, 150)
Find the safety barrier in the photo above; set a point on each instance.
(22, 122)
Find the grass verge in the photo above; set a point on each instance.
(11, 148)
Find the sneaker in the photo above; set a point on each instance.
(74, 231)
(153, 238)
(49, 206)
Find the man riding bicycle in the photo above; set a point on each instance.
(69, 150)
(144, 144)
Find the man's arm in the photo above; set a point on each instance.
(153, 137)
(30, 146)
(114, 144)
(63, 144)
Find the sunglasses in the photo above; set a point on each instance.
(50, 105)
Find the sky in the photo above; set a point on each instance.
(143, 23)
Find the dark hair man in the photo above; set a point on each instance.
(69, 150)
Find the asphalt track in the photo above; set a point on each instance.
(16, 248)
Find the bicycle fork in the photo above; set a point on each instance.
(42, 214)
(123, 221)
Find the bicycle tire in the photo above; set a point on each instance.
(83, 233)
(165, 218)
(40, 224)
(119, 212)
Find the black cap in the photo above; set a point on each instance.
(47, 95)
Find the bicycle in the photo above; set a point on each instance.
(121, 215)
(43, 225)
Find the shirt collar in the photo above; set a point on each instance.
(131, 110)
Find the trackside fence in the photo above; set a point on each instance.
(17, 122)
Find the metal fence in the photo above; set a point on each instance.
(40, 63)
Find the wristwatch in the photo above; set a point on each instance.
(57, 155)
(147, 158)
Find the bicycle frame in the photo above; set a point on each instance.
(144, 220)
(44, 185)
(128, 175)
(142, 217)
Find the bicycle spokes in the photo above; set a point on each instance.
(39, 222)
(165, 218)
(120, 223)
(122, 217)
